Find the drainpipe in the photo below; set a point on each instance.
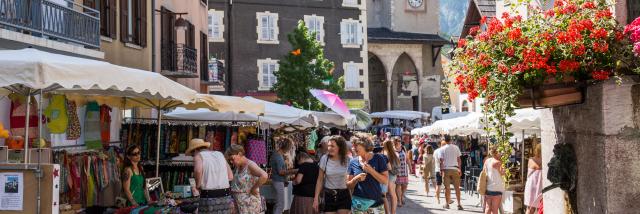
(229, 48)
(153, 35)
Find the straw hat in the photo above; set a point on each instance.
(196, 143)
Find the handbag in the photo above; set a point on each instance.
(482, 181)
(361, 204)
(321, 201)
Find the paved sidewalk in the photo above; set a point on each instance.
(418, 202)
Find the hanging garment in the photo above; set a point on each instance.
(18, 115)
(312, 139)
(219, 139)
(105, 125)
(257, 151)
(92, 126)
(73, 126)
(244, 132)
(56, 114)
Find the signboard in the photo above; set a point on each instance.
(355, 104)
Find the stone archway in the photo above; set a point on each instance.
(377, 84)
(405, 85)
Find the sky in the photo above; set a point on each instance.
(452, 14)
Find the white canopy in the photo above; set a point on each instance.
(278, 114)
(404, 115)
(471, 123)
(32, 69)
(206, 114)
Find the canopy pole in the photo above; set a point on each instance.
(26, 127)
(522, 178)
(158, 142)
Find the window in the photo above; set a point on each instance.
(107, 10)
(315, 25)
(266, 76)
(133, 22)
(351, 33)
(267, 28)
(216, 26)
(349, 3)
(351, 76)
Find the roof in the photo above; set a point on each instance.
(386, 35)
(477, 9)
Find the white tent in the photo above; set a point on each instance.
(206, 114)
(404, 115)
(471, 123)
(278, 114)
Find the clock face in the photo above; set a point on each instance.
(415, 3)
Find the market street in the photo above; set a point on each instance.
(418, 202)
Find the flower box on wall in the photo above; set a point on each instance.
(552, 93)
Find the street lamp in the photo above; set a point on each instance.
(181, 24)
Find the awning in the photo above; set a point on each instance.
(404, 115)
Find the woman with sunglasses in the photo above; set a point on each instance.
(133, 184)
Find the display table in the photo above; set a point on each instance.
(269, 194)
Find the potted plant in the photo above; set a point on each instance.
(541, 61)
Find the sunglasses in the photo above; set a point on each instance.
(134, 154)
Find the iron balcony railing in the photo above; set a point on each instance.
(61, 19)
(179, 60)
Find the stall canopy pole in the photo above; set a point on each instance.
(26, 126)
(522, 163)
(158, 142)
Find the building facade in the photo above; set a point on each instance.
(250, 36)
(403, 48)
(181, 41)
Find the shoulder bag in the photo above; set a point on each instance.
(321, 201)
(482, 181)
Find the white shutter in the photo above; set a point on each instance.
(264, 27)
(321, 29)
(343, 33)
(351, 76)
(265, 74)
(359, 34)
(210, 21)
(272, 28)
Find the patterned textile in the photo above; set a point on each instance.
(73, 127)
(241, 186)
(92, 138)
(105, 125)
(17, 118)
(222, 205)
(372, 210)
(257, 151)
(404, 169)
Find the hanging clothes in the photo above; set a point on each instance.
(73, 126)
(18, 115)
(56, 114)
(257, 151)
(92, 138)
(105, 125)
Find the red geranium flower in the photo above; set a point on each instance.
(588, 5)
(606, 13)
(570, 8)
(515, 34)
(551, 70)
(599, 33)
(600, 47)
(586, 24)
(483, 20)
(568, 65)
(550, 13)
(474, 30)
(579, 50)
(619, 36)
(462, 43)
(600, 75)
(510, 51)
(558, 3)
(503, 68)
(484, 81)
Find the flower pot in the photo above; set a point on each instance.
(552, 93)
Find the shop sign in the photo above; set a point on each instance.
(355, 104)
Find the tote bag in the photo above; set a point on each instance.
(482, 182)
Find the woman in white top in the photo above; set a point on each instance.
(332, 178)
(212, 174)
(495, 182)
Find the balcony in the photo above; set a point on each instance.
(179, 61)
(70, 23)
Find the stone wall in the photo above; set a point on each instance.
(605, 133)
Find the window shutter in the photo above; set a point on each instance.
(272, 28)
(124, 11)
(112, 18)
(210, 18)
(143, 23)
(359, 34)
(321, 29)
(265, 74)
(264, 27)
(343, 33)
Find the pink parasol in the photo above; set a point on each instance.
(332, 101)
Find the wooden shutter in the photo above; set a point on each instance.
(204, 57)
(90, 4)
(112, 18)
(143, 23)
(124, 18)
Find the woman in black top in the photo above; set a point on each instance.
(304, 185)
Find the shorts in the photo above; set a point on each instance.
(393, 178)
(438, 179)
(402, 180)
(384, 188)
(492, 193)
(451, 176)
(335, 200)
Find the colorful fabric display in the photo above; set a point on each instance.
(18, 116)
(92, 138)
(56, 114)
(257, 151)
(105, 125)
(73, 126)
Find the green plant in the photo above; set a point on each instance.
(304, 68)
(576, 38)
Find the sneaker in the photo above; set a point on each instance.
(460, 207)
(446, 206)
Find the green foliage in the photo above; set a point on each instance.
(303, 70)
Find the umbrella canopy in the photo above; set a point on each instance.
(278, 114)
(403, 115)
(33, 70)
(362, 119)
(332, 101)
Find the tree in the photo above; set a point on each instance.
(304, 68)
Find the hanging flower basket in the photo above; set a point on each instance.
(553, 93)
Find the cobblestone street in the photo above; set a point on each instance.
(418, 202)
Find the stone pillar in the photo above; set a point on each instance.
(605, 134)
(389, 104)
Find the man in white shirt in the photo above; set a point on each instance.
(450, 169)
(437, 154)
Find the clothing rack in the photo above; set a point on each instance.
(154, 121)
(82, 145)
